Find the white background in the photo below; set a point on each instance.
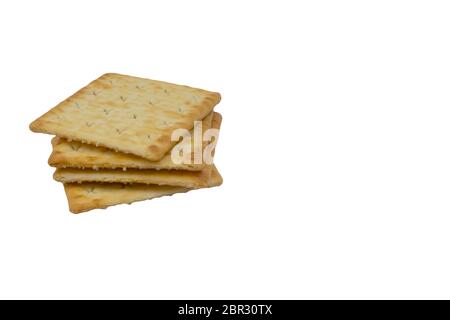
(334, 150)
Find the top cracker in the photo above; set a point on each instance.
(128, 114)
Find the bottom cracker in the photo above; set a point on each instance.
(87, 196)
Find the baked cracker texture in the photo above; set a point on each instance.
(128, 114)
(87, 196)
(189, 179)
(75, 154)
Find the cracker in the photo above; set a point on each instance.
(189, 179)
(128, 114)
(75, 154)
(87, 196)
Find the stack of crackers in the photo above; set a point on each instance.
(114, 141)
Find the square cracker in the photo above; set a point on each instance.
(128, 114)
(75, 154)
(87, 196)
